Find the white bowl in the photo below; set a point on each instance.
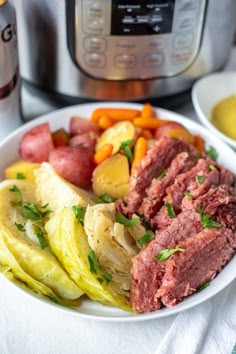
(89, 309)
(208, 91)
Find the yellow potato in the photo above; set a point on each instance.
(21, 170)
(116, 134)
(112, 177)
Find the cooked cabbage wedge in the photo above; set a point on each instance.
(27, 259)
(69, 242)
(112, 242)
(52, 189)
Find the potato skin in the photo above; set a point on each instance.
(74, 164)
(176, 130)
(87, 140)
(112, 177)
(36, 144)
(80, 125)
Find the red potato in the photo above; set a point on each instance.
(80, 125)
(87, 140)
(60, 137)
(36, 144)
(74, 164)
(175, 130)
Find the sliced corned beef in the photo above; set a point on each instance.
(205, 255)
(156, 160)
(147, 272)
(157, 190)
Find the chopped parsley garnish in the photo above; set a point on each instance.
(34, 211)
(161, 175)
(20, 175)
(54, 299)
(170, 210)
(188, 195)
(127, 148)
(212, 153)
(146, 237)
(103, 198)
(40, 233)
(95, 268)
(200, 179)
(212, 168)
(17, 190)
(207, 221)
(125, 221)
(79, 212)
(20, 227)
(166, 253)
(204, 286)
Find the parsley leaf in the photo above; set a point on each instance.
(146, 237)
(125, 221)
(20, 175)
(79, 212)
(103, 198)
(207, 221)
(212, 168)
(34, 212)
(203, 287)
(17, 190)
(20, 227)
(200, 179)
(212, 153)
(127, 148)
(188, 195)
(166, 253)
(95, 268)
(170, 210)
(161, 175)
(40, 233)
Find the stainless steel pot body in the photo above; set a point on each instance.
(104, 49)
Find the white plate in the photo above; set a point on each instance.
(207, 92)
(89, 309)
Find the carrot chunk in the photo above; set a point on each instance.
(103, 153)
(140, 150)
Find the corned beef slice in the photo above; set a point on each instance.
(226, 216)
(205, 256)
(147, 272)
(157, 190)
(156, 160)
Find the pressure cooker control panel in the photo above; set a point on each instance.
(135, 39)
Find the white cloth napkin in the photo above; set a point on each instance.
(209, 328)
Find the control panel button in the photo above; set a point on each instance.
(95, 60)
(125, 61)
(156, 44)
(94, 44)
(126, 44)
(185, 22)
(95, 10)
(181, 57)
(95, 26)
(183, 41)
(154, 60)
(187, 5)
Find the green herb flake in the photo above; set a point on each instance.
(204, 286)
(207, 221)
(20, 175)
(15, 189)
(212, 153)
(127, 148)
(161, 175)
(106, 198)
(212, 168)
(125, 221)
(34, 212)
(97, 200)
(95, 268)
(40, 233)
(146, 237)
(188, 195)
(170, 210)
(200, 179)
(20, 227)
(166, 253)
(79, 212)
(54, 299)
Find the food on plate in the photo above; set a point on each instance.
(112, 177)
(223, 116)
(127, 207)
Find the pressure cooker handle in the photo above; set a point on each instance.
(70, 27)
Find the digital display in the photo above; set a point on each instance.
(143, 17)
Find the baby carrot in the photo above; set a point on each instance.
(199, 143)
(147, 111)
(147, 134)
(105, 122)
(149, 123)
(117, 114)
(103, 153)
(140, 150)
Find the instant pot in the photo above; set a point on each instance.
(121, 50)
